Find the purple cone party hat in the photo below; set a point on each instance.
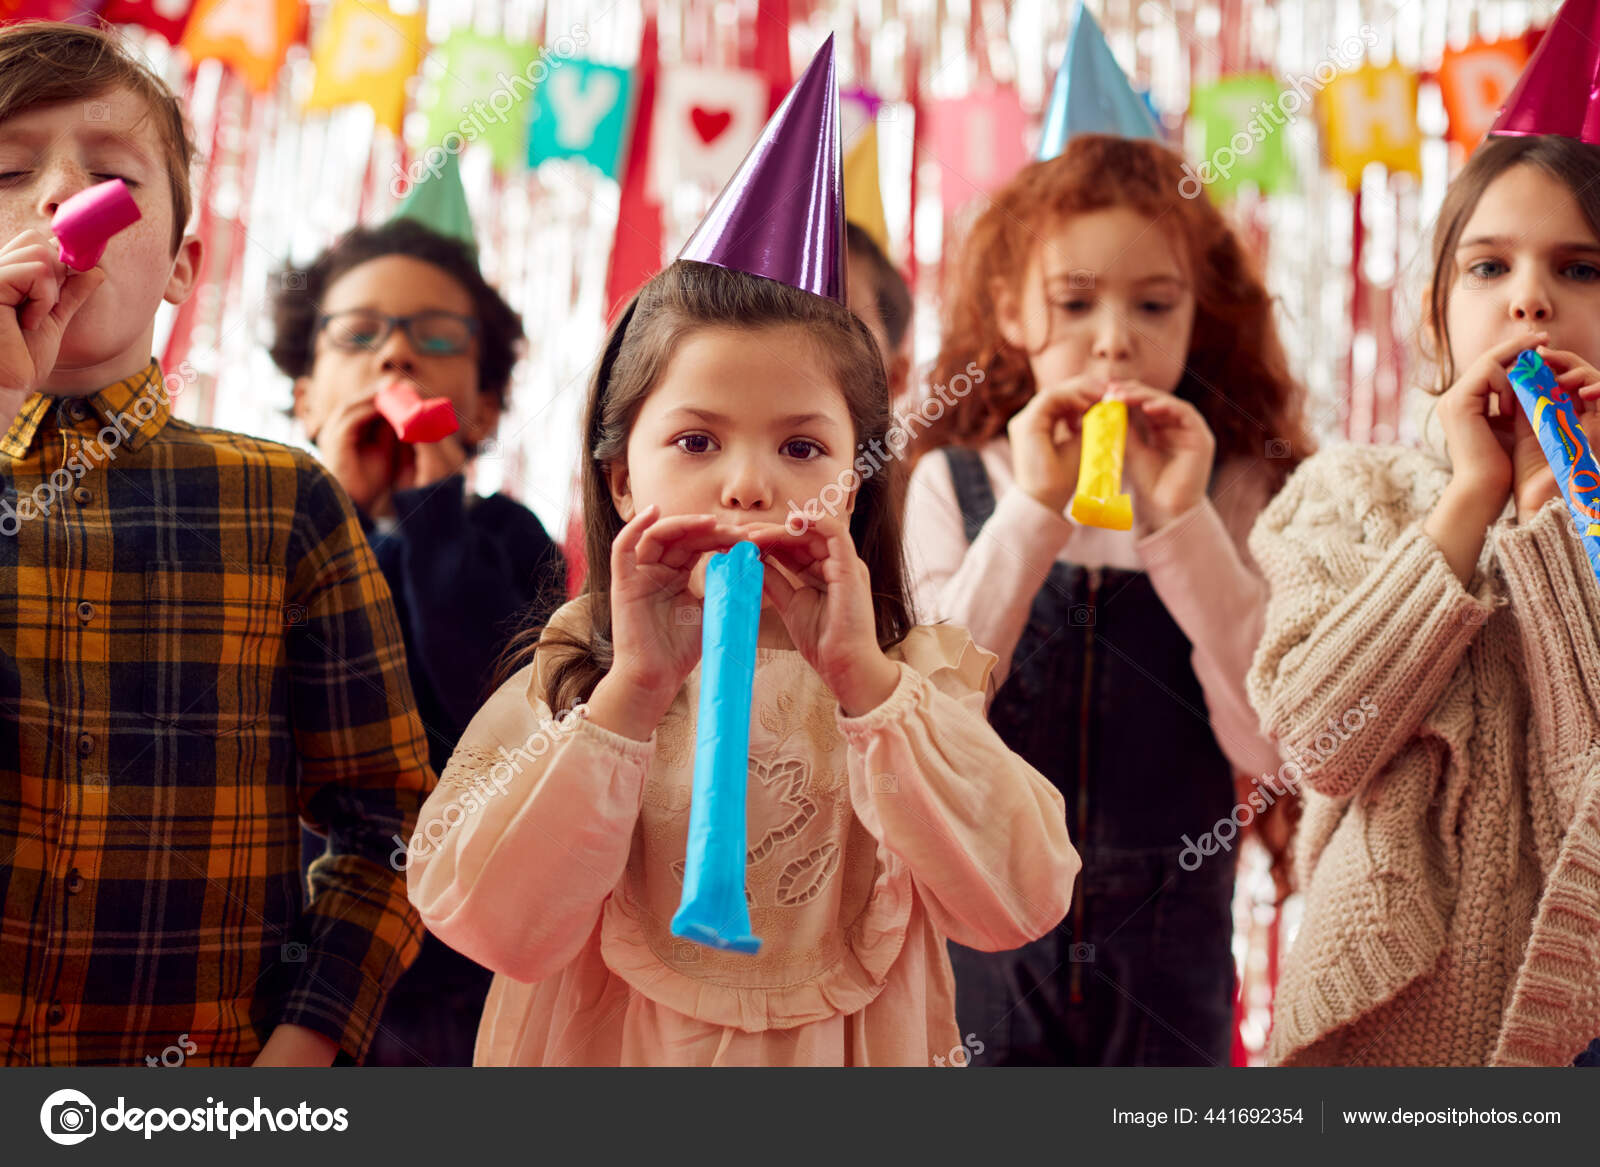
(1092, 94)
(781, 215)
(1559, 92)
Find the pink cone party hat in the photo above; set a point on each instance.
(1559, 92)
(781, 215)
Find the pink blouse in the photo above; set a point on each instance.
(1198, 564)
(552, 852)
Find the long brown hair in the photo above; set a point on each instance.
(1575, 164)
(679, 301)
(1235, 373)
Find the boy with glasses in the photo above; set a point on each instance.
(406, 303)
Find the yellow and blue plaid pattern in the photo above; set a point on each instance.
(197, 650)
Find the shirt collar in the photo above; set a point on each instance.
(137, 407)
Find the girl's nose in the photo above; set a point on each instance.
(1112, 339)
(1530, 304)
(747, 489)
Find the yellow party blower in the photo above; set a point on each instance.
(1099, 501)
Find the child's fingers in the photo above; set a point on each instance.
(1506, 352)
(669, 539)
(802, 565)
(32, 286)
(804, 546)
(779, 589)
(1563, 360)
(678, 540)
(626, 544)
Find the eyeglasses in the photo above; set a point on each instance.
(438, 334)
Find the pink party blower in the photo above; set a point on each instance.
(87, 221)
(414, 419)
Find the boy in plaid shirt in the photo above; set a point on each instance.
(197, 649)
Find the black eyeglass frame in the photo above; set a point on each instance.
(390, 323)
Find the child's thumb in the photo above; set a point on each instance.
(75, 291)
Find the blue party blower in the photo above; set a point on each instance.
(713, 910)
(1554, 419)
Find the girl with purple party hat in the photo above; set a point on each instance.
(1450, 849)
(738, 399)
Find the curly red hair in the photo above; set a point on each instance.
(1235, 373)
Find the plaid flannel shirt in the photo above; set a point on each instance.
(197, 651)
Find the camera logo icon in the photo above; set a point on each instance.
(68, 1117)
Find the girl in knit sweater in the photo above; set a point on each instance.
(1122, 653)
(884, 814)
(1450, 847)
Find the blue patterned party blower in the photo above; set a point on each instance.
(713, 910)
(1554, 419)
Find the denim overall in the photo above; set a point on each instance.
(1102, 700)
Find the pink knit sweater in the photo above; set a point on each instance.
(1450, 848)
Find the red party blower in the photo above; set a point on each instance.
(415, 419)
(85, 222)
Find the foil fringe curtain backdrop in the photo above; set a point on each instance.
(275, 184)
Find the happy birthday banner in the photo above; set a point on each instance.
(529, 104)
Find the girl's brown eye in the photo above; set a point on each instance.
(694, 443)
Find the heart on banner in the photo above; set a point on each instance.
(708, 124)
(705, 121)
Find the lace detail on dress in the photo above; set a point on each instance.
(468, 767)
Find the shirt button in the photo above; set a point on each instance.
(78, 410)
(81, 496)
(57, 1014)
(86, 745)
(85, 611)
(74, 882)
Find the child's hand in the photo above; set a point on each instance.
(39, 296)
(655, 619)
(829, 615)
(360, 449)
(1481, 447)
(1169, 454)
(432, 462)
(1534, 483)
(1045, 438)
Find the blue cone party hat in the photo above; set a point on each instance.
(781, 215)
(1092, 94)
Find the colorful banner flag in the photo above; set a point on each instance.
(365, 54)
(705, 121)
(978, 142)
(250, 36)
(1370, 115)
(581, 111)
(477, 90)
(1475, 82)
(1240, 129)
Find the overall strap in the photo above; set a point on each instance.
(974, 493)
